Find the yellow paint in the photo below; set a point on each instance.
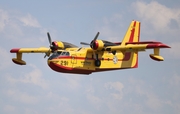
(60, 45)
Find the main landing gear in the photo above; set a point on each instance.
(97, 62)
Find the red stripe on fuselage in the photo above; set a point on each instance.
(126, 58)
(64, 69)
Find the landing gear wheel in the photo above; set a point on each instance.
(97, 63)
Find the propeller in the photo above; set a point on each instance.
(52, 45)
(92, 44)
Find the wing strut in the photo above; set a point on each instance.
(18, 60)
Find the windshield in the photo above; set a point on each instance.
(58, 54)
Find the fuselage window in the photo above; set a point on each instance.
(67, 54)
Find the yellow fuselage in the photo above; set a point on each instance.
(80, 61)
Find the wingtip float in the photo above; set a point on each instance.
(100, 56)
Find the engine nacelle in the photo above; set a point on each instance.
(97, 45)
(57, 45)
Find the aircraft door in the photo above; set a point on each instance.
(73, 59)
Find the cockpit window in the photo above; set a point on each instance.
(63, 53)
(55, 54)
(67, 54)
(58, 54)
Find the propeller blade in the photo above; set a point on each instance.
(49, 38)
(92, 42)
(96, 36)
(84, 43)
(47, 54)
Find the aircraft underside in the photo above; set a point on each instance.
(62, 69)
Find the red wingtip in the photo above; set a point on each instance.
(157, 45)
(165, 46)
(15, 50)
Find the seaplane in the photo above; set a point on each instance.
(97, 56)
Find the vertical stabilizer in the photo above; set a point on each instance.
(133, 33)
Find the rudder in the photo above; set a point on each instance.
(133, 33)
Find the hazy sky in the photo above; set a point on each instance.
(153, 88)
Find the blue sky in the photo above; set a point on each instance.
(35, 88)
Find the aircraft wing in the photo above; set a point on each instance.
(20, 51)
(30, 50)
(138, 46)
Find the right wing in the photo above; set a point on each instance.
(20, 51)
(30, 50)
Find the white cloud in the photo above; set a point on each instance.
(72, 82)
(22, 97)
(25, 98)
(29, 21)
(96, 101)
(156, 14)
(114, 19)
(21, 29)
(5, 58)
(153, 101)
(30, 111)
(33, 77)
(117, 86)
(175, 80)
(9, 109)
(110, 27)
(173, 52)
(60, 104)
(3, 19)
(56, 97)
(138, 86)
(177, 108)
(9, 24)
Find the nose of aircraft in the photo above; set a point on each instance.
(52, 61)
(53, 64)
(49, 61)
